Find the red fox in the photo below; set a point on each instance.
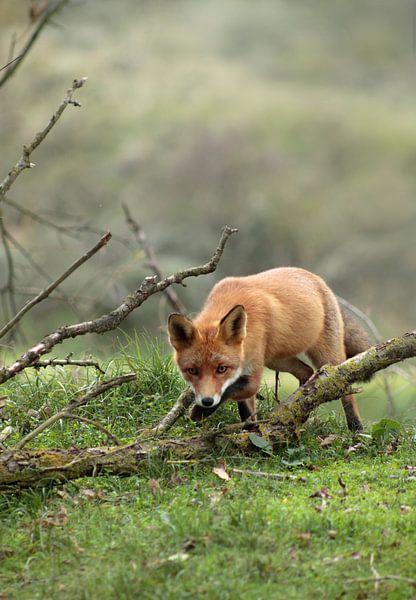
(261, 320)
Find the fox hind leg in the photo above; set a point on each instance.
(330, 350)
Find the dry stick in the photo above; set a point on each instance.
(265, 475)
(176, 412)
(152, 263)
(48, 14)
(62, 414)
(408, 580)
(25, 162)
(62, 362)
(96, 424)
(45, 293)
(112, 320)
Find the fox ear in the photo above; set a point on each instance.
(233, 326)
(181, 331)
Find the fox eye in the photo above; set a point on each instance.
(221, 369)
(193, 371)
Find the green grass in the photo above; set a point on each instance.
(182, 532)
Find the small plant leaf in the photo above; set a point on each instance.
(261, 443)
(386, 429)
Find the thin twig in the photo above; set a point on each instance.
(35, 217)
(265, 475)
(408, 580)
(112, 320)
(149, 252)
(45, 293)
(9, 286)
(25, 159)
(96, 424)
(93, 393)
(47, 15)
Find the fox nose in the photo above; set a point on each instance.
(207, 401)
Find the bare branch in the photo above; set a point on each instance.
(46, 17)
(152, 263)
(112, 320)
(63, 362)
(25, 162)
(95, 391)
(45, 293)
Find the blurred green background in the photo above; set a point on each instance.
(293, 121)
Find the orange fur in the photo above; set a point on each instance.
(260, 320)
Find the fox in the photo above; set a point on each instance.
(263, 320)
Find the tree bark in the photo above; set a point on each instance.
(32, 467)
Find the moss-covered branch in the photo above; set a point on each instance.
(30, 467)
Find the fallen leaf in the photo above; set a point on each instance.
(304, 536)
(55, 519)
(90, 494)
(353, 448)
(322, 493)
(221, 473)
(327, 441)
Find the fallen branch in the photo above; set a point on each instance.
(112, 320)
(47, 291)
(31, 467)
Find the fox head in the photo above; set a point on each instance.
(210, 357)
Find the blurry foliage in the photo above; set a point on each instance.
(293, 121)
